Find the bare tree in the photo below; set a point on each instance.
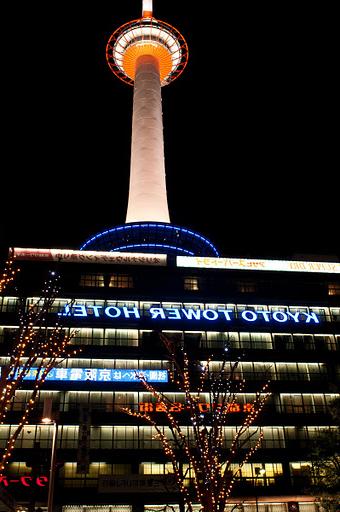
(211, 464)
(8, 274)
(34, 348)
(324, 453)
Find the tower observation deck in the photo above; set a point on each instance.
(148, 54)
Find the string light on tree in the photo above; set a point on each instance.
(8, 274)
(203, 446)
(34, 345)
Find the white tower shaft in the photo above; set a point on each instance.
(147, 192)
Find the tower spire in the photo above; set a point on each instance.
(147, 9)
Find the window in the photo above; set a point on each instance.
(112, 280)
(301, 473)
(253, 474)
(8, 304)
(335, 314)
(292, 404)
(120, 281)
(254, 340)
(303, 342)
(191, 283)
(121, 337)
(96, 280)
(246, 287)
(17, 469)
(333, 289)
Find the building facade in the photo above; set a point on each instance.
(279, 319)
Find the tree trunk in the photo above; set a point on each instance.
(181, 505)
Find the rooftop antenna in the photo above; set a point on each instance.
(147, 9)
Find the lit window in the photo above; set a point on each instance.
(191, 283)
(246, 287)
(96, 280)
(120, 281)
(333, 289)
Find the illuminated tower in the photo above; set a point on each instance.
(148, 54)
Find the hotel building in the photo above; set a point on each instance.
(279, 318)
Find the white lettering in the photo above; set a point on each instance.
(82, 310)
(295, 316)
(210, 314)
(79, 310)
(192, 313)
(155, 312)
(280, 316)
(265, 315)
(250, 316)
(95, 310)
(173, 313)
(112, 311)
(311, 316)
(128, 312)
(226, 313)
(66, 311)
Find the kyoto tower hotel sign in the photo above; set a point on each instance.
(148, 54)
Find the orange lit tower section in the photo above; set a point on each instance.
(148, 54)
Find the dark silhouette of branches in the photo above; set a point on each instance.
(35, 348)
(8, 274)
(211, 463)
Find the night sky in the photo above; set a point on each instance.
(250, 127)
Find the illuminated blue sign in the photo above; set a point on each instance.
(159, 313)
(100, 375)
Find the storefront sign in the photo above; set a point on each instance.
(137, 483)
(159, 313)
(70, 256)
(250, 264)
(126, 258)
(203, 407)
(100, 375)
(24, 481)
